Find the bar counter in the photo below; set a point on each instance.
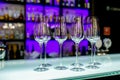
(24, 69)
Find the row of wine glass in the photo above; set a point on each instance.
(78, 32)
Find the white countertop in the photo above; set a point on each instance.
(24, 69)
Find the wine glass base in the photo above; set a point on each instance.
(46, 65)
(92, 67)
(79, 64)
(41, 69)
(77, 69)
(61, 68)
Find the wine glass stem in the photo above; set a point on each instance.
(94, 53)
(60, 54)
(40, 55)
(76, 53)
(45, 52)
(92, 47)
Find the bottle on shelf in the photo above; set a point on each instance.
(38, 1)
(81, 3)
(48, 2)
(22, 52)
(33, 14)
(11, 52)
(34, 1)
(1, 13)
(72, 3)
(10, 13)
(6, 16)
(67, 3)
(28, 1)
(29, 14)
(16, 13)
(21, 17)
(56, 2)
(17, 52)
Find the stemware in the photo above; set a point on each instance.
(39, 35)
(60, 35)
(45, 39)
(107, 43)
(93, 35)
(77, 36)
(2, 54)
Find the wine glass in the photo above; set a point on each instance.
(2, 54)
(93, 36)
(107, 43)
(39, 34)
(60, 33)
(77, 36)
(45, 39)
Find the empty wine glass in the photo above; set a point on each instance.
(39, 35)
(107, 43)
(2, 54)
(98, 45)
(45, 39)
(93, 35)
(77, 36)
(60, 35)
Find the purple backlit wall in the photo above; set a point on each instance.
(52, 47)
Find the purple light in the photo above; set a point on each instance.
(33, 45)
(83, 43)
(52, 46)
(50, 11)
(86, 1)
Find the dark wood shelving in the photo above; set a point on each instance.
(15, 21)
(69, 7)
(14, 2)
(12, 40)
(32, 3)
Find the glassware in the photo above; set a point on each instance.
(98, 45)
(93, 36)
(107, 43)
(60, 35)
(39, 34)
(2, 54)
(77, 36)
(45, 40)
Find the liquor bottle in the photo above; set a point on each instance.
(15, 13)
(11, 52)
(22, 52)
(81, 3)
(22, 0)
(10, 12)
(47, 2)
(17, 52)
(38, 1)
(67, 3)
(2, 14)
(31, 1)
(63, 3)
(57, 2)
(33, 15)
(34, 1)
(72, 3)
(29, 14)
(6, 16)
(21, 17)
(28, 1)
